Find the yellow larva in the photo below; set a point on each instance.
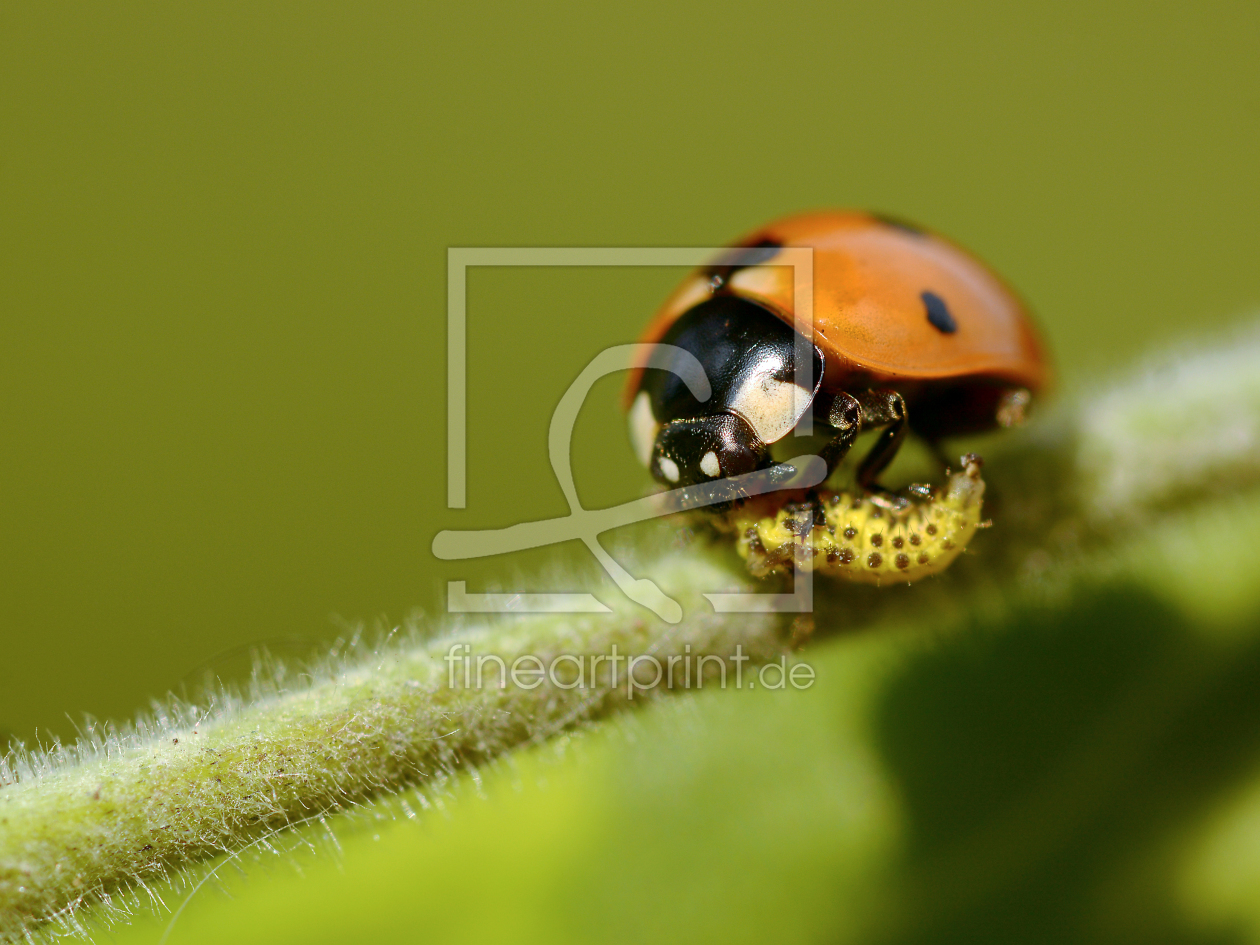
(860, 536)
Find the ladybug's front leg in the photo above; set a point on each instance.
(850, 414)
(881, 408)
(844, 415)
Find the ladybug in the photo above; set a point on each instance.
(910, 333)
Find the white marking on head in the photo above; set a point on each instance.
(669, 469)
(771, 407)
(710, 465)
(643, 428)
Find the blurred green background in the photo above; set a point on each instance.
(223, 235)
(224, 239)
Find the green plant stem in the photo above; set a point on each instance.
(206, 782)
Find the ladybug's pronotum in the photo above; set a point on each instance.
(910, 334)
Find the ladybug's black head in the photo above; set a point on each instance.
(748, 355)
(687, 452)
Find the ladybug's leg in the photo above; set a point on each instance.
(844, 415)
(881, 408)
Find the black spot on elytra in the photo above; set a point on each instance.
(741, 257)
(938, 313)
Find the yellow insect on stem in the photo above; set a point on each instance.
(859, 536)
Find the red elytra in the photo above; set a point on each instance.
(870, 318)
(913, 333)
